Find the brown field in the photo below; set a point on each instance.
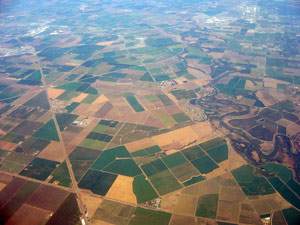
(235, 160)
(54, 93)
(169, 201)
(7, 145)
(91, 203)
(44, 195)
(104, 110)
(122, 190)
(98, 222)
(266, 98)
(45, 117)
(186, 205)
(151, 121)
(2, 186)
(140, 144)
(7, 123)
(173, 109)
(10, 190)
(229, 203)
(78, 138)
(105, 43)
(100, 99)
(69, 133)
(80, 97)
(180, 220)
(5, 178)
(204, 131)
(53, 152)
(28, 215)
(200, 82)
(204, 221)
(217, 172)
(293, 129)
(184, 136)
(249, 85)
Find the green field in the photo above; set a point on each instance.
(219, 154)
(98, 182)
(65, 119)
(149, 217)
(48, 131)
(143, 189)
(72, 106)
(134, 103)
(90, 99)
(39, 169)
(207, 206)
(193, 152)
(147, 151)
(180, 117)
(110, 155)
(250, 183)
(164, 182)
(61, 176)
(69, 86)
(68, 95)
(93, 144)
(194, 180)
(204, 164)
(154, 167)
(212, 143)
(126, 167)
(174, 160)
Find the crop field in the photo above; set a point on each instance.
(149, 113)
(135, 104)
(96, 181)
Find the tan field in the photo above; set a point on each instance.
(204, 131)
(53, 152)
(122, 190)
(184, 136)
(169, 201)
(249, 85)
(100, 99)
(98, 222)
(91, 203)
(7, 145)
(54, 93)
(2, 185)
(217, 172)
(80, 97)
(186, 205)
(140, 144)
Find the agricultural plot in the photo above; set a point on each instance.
(181, 94)
(65, 119)
(113, 212)
(96, 181)
(250, 183)
(40, 100)
(33, 146)
(81, 160)
(126, 167)
(110, 155)
(147, 152)
(180, 117)
(152, 217)
(143, 189)
(134, 103)
(61, 176)
(159, 175)
(39, 169)
(48, 131)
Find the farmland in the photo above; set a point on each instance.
(149, 112)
